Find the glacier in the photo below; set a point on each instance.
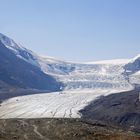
(82, 83)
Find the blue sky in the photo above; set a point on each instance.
(77, 30)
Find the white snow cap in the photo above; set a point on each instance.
(17, 49)
(137, 57)
(8, 42)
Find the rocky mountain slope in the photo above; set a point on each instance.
(59, 129)
(121, 109)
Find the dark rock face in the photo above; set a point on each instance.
(121, 109)
(18, 73)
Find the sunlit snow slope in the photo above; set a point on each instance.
(95, 75)
(64, 104)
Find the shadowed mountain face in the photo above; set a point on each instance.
(121, 109)
(18, 73)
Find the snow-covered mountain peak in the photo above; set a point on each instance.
(133, 65)
(9, 43)
(136, 58)
(18, 50)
